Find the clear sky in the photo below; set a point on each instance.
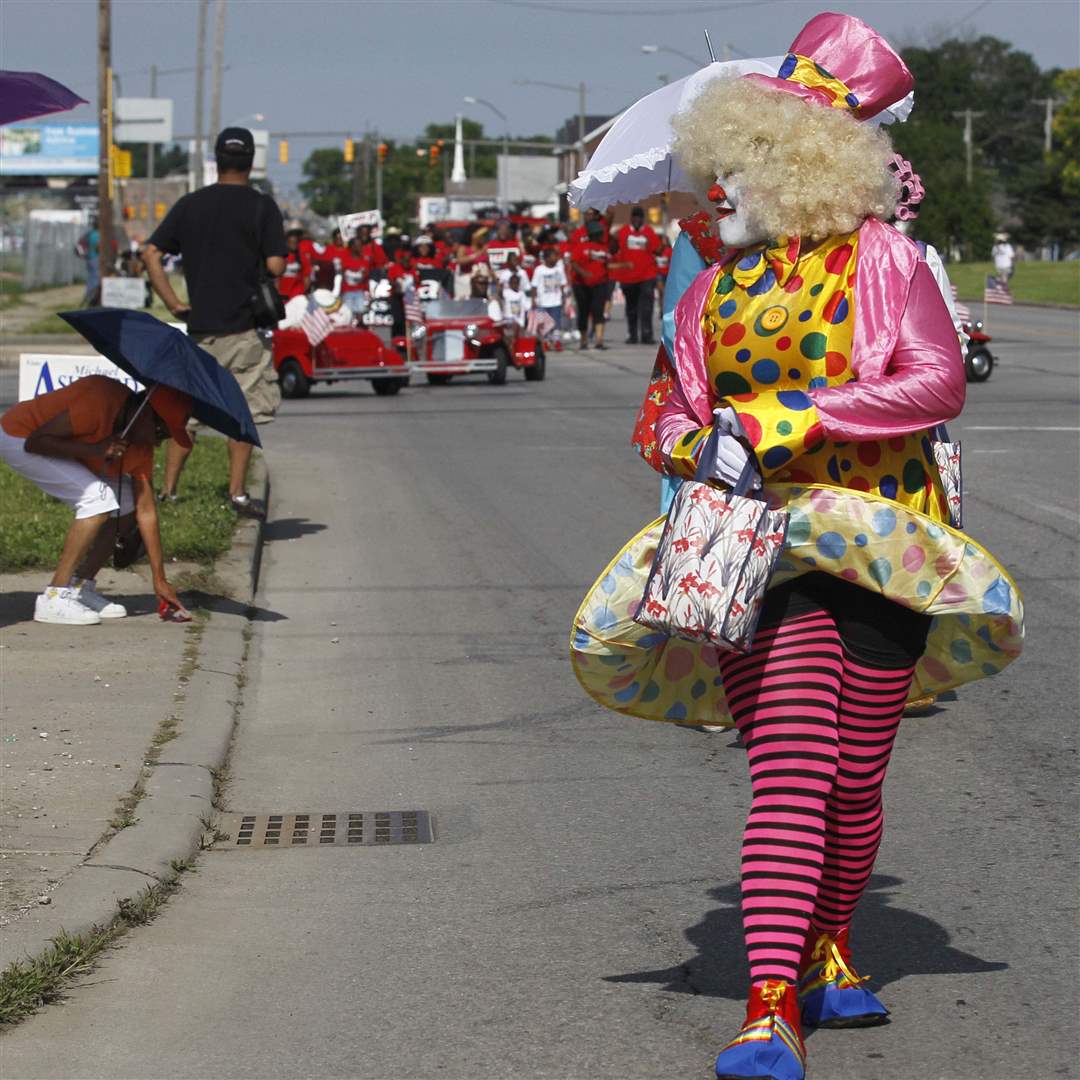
(397, 65)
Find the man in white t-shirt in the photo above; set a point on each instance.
(549, 286)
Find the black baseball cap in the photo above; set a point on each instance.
(235, 140)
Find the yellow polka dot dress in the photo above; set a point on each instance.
(777, 324)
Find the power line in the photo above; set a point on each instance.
(623, 13)
(971, 14)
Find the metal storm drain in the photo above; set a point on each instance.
(353, 829)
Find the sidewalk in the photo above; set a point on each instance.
(79, 708)
(110, 739)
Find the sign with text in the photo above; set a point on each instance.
(350, 223)
(124, 292)
(41, 373)
(49, 150)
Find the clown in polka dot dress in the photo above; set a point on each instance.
(779, 323)
(775, 328)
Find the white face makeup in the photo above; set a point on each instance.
(737, 225)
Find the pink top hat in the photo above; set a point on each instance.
(840, 62)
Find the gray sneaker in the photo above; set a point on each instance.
(91, 598)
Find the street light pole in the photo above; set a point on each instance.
(150, 158)
(104, 139)
(504, 187)
(215, 78)
(200, 72)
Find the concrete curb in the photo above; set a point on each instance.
(179, 789)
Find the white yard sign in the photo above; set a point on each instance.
(124, 292)
(41, 373)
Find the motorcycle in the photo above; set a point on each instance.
(978, 359)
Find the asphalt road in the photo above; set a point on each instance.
(577, 915)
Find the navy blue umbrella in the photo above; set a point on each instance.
(154, 352)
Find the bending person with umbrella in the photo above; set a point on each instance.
(78, 444)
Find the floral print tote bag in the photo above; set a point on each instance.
(713, 563)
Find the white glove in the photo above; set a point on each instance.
(731, 454)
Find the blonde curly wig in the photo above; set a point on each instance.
(804, 170)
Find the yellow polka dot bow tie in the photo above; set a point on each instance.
(760, 269)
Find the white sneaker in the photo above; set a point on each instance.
(91, 598)
(61, 605)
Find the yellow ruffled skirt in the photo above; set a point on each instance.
(977, 609)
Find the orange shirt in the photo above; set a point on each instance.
(92, 403)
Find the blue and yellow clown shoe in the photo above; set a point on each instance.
(770, 1044)
(831, 993)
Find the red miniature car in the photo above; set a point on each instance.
(459, 337)
(347, 353)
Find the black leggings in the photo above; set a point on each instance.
(872, 628)
(590, 300)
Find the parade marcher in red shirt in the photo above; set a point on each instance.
(355, 268)
(371, 249)
(442, 248)
(531, 244)
(503, 242)
(293, 282)
(634, 265)
(403, 276)
(426, 257)
(324, 263)
(588, 266)
(582, 231)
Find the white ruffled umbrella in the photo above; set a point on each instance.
(634, 159)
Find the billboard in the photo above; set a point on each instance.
(49, 150)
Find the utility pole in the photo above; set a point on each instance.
(1048, 123)
(150, 159)
(215, 78)
(378, 177)
(105, 181)
(200, 79)
(969, 143)
(581, 125)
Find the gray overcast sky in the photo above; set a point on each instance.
(395, 66)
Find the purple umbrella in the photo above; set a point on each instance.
(24, 94)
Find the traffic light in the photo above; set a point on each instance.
(383, 151)
(121, 162)
(436, 150)
(350, 152)
(421, 152)
(283, 152)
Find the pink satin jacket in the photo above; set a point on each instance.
(909, 371)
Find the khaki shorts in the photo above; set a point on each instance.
(250, 358)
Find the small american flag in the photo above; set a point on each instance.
(315, 323)
(963, 312)
(538, 323)
(413, 311)
(996, 291)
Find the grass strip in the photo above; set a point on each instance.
(1032, 283)
(28, 985)
(196, 528)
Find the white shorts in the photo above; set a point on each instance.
(69, 481)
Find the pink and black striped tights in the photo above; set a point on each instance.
(819, 728)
